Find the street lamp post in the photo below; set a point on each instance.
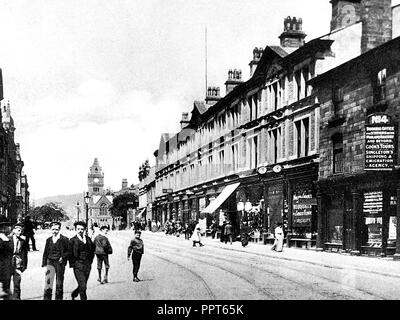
(77, 211)
(87, 198)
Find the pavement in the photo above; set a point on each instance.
(340, 261)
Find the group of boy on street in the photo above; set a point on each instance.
(79, 251)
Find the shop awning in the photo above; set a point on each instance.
(141, 212)
(218, 201)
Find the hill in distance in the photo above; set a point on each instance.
(67, 202)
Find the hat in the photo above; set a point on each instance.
(5, 226)
(18, 225)
(138, 231)
(104, 227)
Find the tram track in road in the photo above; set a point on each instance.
(261, 290)
(311, 288)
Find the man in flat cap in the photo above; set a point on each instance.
(6, 254)
(19, 258)
(82, 255)
(136, 249)
(55, 256)
(103, 249)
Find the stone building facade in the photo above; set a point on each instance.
(263, 151)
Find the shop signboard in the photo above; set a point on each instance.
(380, 143)
(302, 208)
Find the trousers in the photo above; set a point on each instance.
(136, 257)
(54, 269)
(16, 275)
(81, 276)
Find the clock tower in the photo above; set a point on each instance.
(95, 179)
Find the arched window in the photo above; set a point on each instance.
(103, 209)
(337, 159)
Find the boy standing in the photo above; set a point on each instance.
(19, 259)
(103, 249)
(55, 257)
(136, 248)
(82, 254)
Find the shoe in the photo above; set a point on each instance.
(201, 245)
(137, 279)
(104, 281)
(99, 280)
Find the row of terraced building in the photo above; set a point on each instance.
(309, 140)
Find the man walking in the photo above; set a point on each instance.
(29, 232)
(55, 256)
(228, 232)
(136, 248)
(82, 255)
(19, 258)
(103, 249)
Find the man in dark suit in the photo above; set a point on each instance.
(82, 255)
(55, 256)
(6, 254)
(19, 258)
(29, 231)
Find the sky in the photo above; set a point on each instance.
(101, 78)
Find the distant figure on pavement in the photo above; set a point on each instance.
(196, 236)
(222, 236)
(19, 258)
(95, 231)
(228, 232)
(103, 249)
(136, 249)
(213, 228)
(55, 256)
(29, 232)
(82, 256)
(6, 259)
(278, 243)
(245, 234)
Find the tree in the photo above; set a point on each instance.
(50, 211)
(122, 203)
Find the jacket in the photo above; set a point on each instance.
(136, 246)
(102, 245)
(20, 257)
(63, 246)
(82, 254)
(6, 254)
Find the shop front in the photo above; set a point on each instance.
(360, 214)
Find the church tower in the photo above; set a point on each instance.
(95, 179)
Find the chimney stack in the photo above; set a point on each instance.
(257, 53)
(124, 184)
(185, 120)
(376, 17)
(213, 95)
(292, 35)
(234, 78)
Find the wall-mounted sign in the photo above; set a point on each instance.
(379, 143)
(302, 208)
(373, 203)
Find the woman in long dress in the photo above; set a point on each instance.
(278, 244)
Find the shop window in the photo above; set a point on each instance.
(335, 221)
(380, 86)
(337, 141)
(372, 209)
